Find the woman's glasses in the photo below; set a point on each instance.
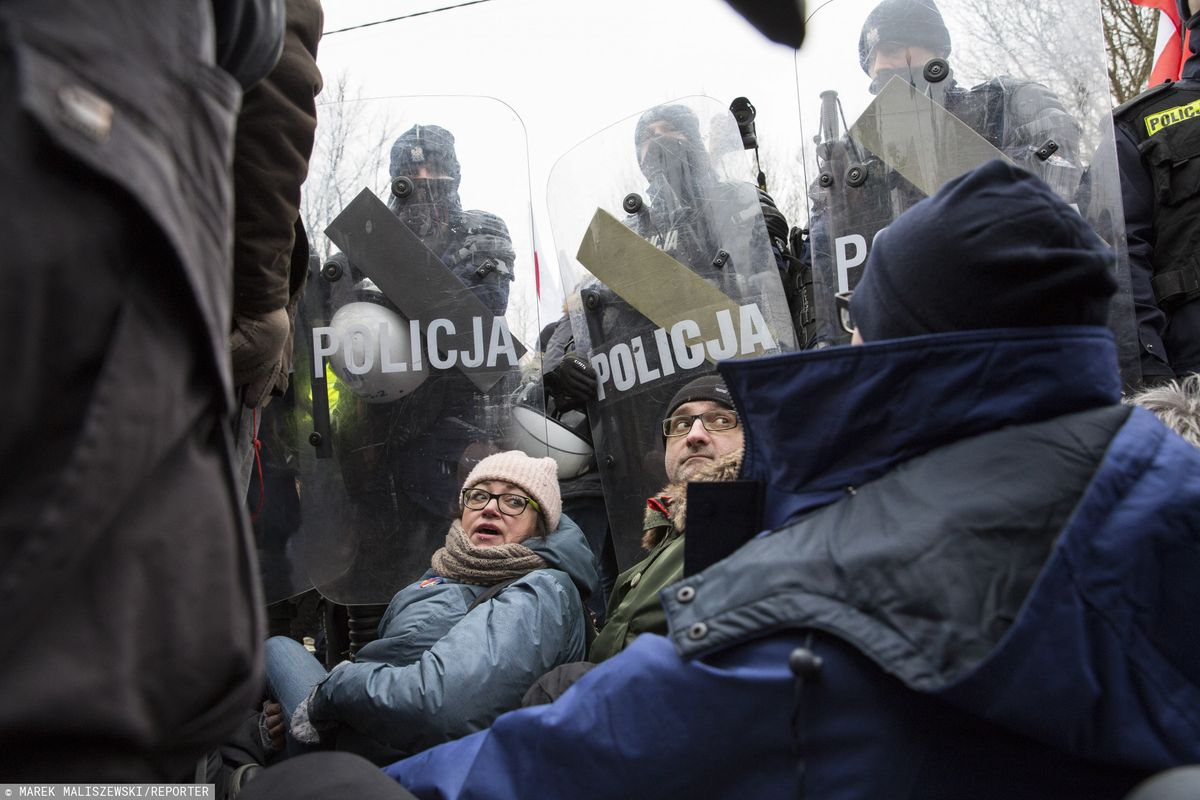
(511, 505)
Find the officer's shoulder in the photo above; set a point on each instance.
(1011, 87)
(484, 222)
(1127, 108)
(999, 81)
(1006, 83)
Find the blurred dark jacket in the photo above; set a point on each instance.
(275, 133)
(134, 612)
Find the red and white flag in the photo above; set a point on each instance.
(537, 267)
(1171, 48)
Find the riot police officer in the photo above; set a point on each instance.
(1158, 133)
(714, 231)
(405, 440)
(1023, 119)
(909, 40)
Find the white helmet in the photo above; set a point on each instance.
(374, 356)
(539, 436)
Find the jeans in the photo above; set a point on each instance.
(292, 672)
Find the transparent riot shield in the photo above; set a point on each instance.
(667, 269)
(418, 328)
(901, 97)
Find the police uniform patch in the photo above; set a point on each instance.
(1161, 120)
(434, 581)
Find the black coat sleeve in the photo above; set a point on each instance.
(275, 135)
(249, 37)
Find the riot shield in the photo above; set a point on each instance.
(417, 331)
(668, 269)
(901, 97)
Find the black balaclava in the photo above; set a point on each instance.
(994, 248)
(428, 209)
(903, 22)
(683, 165)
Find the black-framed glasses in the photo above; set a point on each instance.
(719, 419)
(512, 505)
(842, 301)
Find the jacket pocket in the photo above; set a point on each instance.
(163, 134)
(1174, 167)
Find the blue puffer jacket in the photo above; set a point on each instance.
(992, 560)
(438, 672)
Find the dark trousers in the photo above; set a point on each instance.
(324, 776)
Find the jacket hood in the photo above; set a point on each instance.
(673, 497)
(801, 411)
(567, 549)
(995, 247)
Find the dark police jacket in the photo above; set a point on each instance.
(1158, 141)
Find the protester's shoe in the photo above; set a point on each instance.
(241, 776)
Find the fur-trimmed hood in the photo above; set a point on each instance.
(673, 498)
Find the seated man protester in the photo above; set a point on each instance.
(702, 441)
(978, 578)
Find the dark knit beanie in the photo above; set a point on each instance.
(706, 387)
(907, 22)
(994, 248)
(431, 146)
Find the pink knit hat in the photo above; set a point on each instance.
(537, 476)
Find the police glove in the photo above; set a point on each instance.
(256, 345)
(572, 383)
(487, 252)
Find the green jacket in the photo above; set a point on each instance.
(634, 607)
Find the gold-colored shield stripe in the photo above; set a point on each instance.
(659, 287)
(919, 139)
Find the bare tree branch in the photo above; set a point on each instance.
(350, 152)
(1129, 36)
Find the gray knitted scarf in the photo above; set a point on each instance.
(463, 561)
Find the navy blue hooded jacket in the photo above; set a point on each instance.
(993, 560)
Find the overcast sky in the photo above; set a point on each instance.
(566, 68)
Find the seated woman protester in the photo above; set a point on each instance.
(449, 659)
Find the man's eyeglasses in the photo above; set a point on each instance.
(842, 301)
(511, 505)
(717, 420)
